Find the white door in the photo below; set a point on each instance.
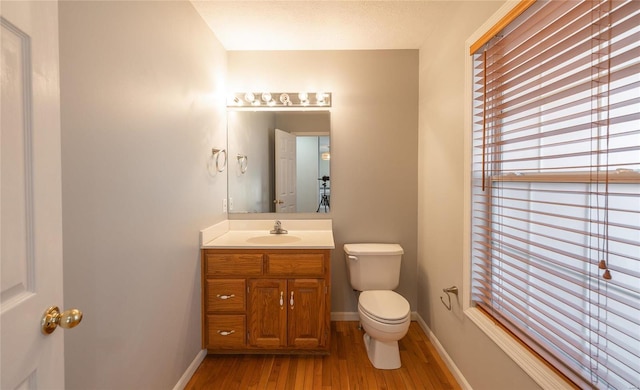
(30, 202)
(285, 155)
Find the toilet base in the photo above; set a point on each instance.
(384, 355)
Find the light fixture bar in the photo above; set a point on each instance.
(279, 99)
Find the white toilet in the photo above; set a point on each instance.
(374, 269)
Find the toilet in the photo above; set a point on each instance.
(374, 271)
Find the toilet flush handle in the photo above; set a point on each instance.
(354, 258)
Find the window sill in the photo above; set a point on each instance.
(530, 364)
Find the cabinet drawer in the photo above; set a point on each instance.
(226, 295)
(233, 264)
(307, 264)
(226, 331)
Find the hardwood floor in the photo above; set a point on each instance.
(347, 367)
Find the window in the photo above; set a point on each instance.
(556, 186)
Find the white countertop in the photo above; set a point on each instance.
(254, 234)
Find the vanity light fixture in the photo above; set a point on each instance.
(279, 99)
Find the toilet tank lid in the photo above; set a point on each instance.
(373, 249)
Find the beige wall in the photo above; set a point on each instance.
(441, 186)
(142, 92)
(374, 152)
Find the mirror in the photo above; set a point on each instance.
(278, 161)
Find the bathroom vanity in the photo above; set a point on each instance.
(267, 293)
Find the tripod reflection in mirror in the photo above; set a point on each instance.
(325, 195)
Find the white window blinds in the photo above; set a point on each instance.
(556, 186)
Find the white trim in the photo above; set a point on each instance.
(462, 381)
(184, 379)
(530, 363)
(345, 316)
(353, 316)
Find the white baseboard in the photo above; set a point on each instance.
(182, 383)
(345, 316)
(443, 354)
(353, 316)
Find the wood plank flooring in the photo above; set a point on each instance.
(347, 367)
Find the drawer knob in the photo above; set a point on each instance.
(226, 332)
(225, 296)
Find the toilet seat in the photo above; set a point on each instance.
(384, 306)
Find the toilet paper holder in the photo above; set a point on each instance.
(452, 290)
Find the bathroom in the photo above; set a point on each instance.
(142, 103)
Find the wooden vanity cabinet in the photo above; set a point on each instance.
(270, 301)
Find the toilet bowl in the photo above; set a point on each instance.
(385, 316)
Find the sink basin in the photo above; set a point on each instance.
(273, 239)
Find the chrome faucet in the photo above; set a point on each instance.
(277, 228)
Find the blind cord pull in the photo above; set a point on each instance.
(606, 274)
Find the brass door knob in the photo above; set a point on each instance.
(52, 318)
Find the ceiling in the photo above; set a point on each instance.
(325, 25)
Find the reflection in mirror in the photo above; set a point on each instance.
(279, 161)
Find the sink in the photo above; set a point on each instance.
(273, 239)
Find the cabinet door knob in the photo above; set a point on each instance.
(281, 300)
(226, 332)
(291, 300)
(225, 296)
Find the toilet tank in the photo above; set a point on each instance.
(373, 266)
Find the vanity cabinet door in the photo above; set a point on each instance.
(308, 325)
(267, 313)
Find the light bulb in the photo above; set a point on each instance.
(320, 97)
(249, 97)
(284, 99)
(266, 96)
(303, 96)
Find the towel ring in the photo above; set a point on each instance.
(243, 161)
(220, 165)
